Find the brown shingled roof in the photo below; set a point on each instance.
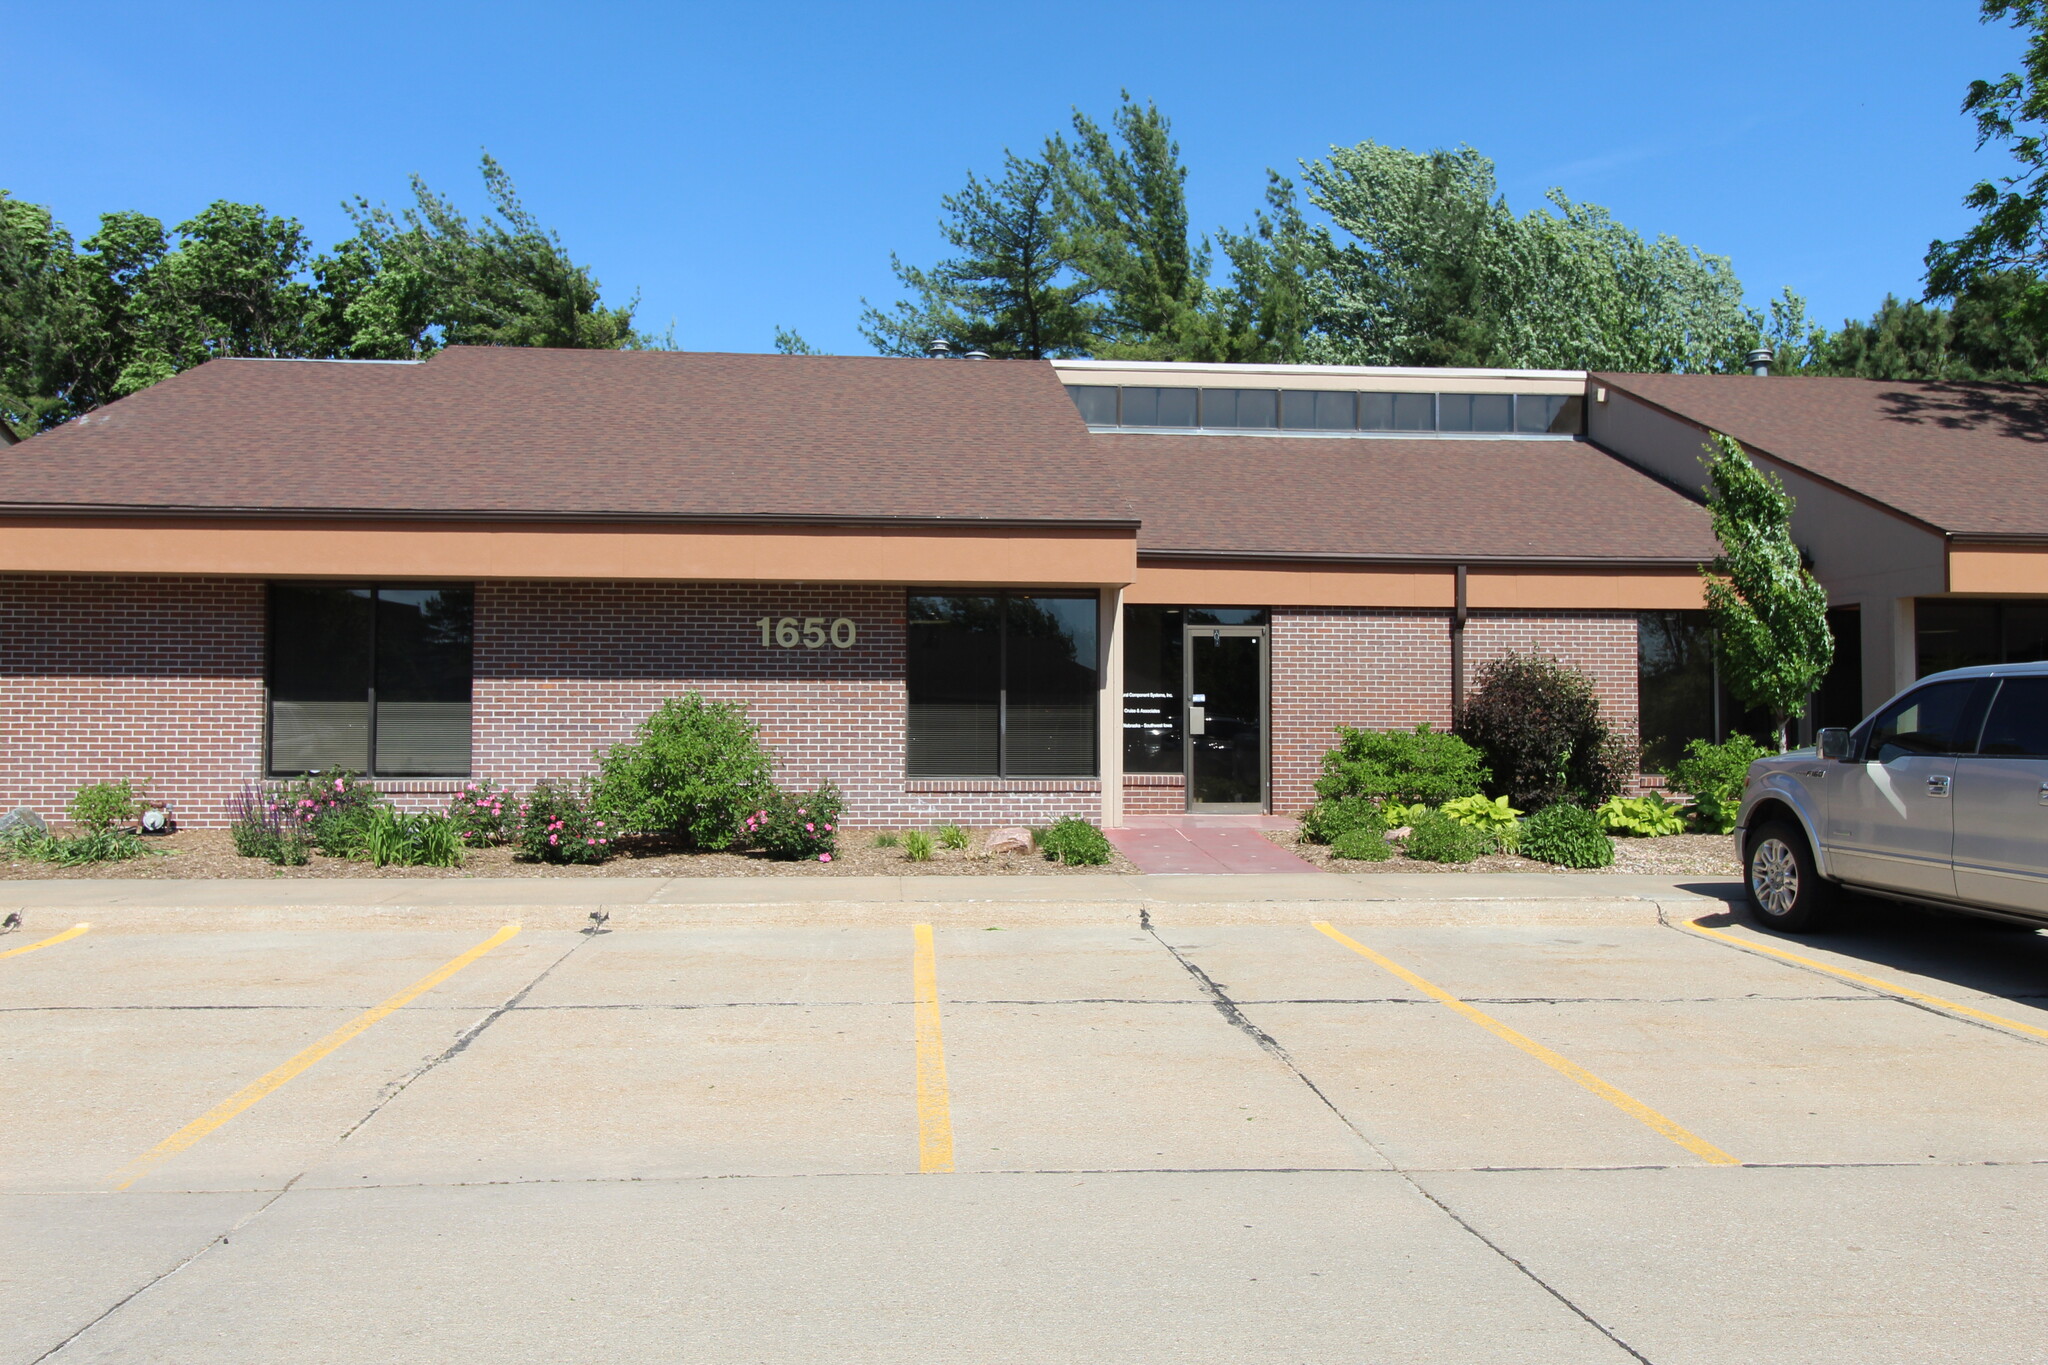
(1969, 459)
(575, 434)
(1436, 498)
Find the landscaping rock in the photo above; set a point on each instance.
(1396, 835)
(1012, 840)
(22, 820)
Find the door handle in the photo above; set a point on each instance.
(1198, 720)
(1937, 785)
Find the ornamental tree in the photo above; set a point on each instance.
(1772, 616)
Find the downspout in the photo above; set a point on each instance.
(1458, 615)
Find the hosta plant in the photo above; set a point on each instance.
(1645, 817)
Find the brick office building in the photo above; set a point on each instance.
(982, 591)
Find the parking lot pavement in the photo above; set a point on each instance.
(1026, 1135)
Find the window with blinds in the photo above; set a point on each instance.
(374, 679)
(1002, 685)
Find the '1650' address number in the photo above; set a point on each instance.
(811, 632)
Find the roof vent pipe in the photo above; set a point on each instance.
(1760, 360)
(938, 350)
(977, 355)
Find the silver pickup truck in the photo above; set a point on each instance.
(1941, 797)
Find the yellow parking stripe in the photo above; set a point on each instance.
(1627, 1104)
(257, 1089)
(73, 932)
(934, 1107)
(1889, 987)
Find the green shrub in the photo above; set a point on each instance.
(1362, 846)
(266, 828)
(1646, 817)
(98, 805)
(1401, 765)
(478, 813)
(952, 836)
(1712, 775)
(1569, 836)
(1489, 817)
(694, 774)
(887, 840)
(1073, 841)
(557, 825)
(1437, 838)
(1537, 723)
(798, 826)
(917, 846)
(1323, 822)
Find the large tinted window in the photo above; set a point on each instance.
(1475, 411)
(1557, 413)
(1159, 407)
(1152, 689)
(1939, 719)
(373, 679)
(1328, 410)
(955, 683)
(1313, 410)
(1097, 403)
(1241, 409)
(2018, 725)
(1049, 727)
(1680, 694)
(1960, 632)
(1002, 685)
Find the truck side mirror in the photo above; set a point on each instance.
(1834, 743)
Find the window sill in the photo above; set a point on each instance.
(1002, 784)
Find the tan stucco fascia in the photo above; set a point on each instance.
(954, 555)
(2004, 569)
(1225, 584)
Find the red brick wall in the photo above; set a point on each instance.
(103, 678)
(1376, 669)
(106, 677)
(566, 668)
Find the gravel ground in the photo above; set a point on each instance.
(1676, 855)
(199, 853)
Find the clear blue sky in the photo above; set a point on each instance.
(748, 165)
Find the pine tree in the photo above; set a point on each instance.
(1771, 614)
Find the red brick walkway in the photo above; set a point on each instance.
(1199, 845)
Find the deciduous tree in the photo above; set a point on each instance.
(1771, 614)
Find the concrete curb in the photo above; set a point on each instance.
(115, 906)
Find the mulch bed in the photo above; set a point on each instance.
(1674, 855)
(206, 853)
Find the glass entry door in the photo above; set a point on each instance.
(1225, 669)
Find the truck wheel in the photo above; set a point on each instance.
(1785, 891)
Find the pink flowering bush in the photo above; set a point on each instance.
(335, 807)
(555, 824)
(797, 826)
(483, 813)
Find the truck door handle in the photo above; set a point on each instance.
(1937, 786)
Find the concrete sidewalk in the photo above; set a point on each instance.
(117, 905)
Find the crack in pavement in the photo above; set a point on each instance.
(390, 1093)
(1235, 1017)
